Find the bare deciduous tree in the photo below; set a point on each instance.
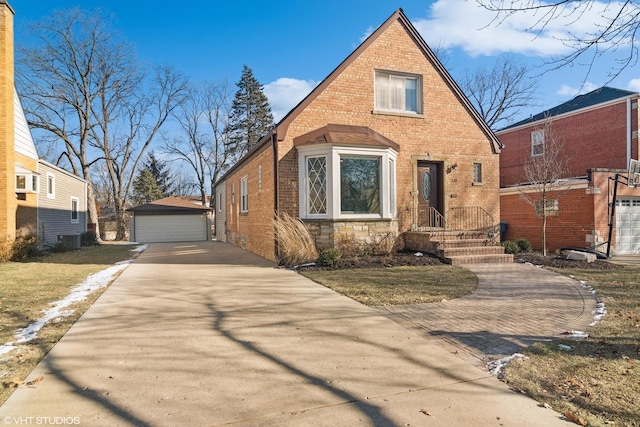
(82, 85)
(543, 174)
(202, 143)
(615, 34)
(501, 92)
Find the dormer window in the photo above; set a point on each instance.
(27, 181)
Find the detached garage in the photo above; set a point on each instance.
(171, 219)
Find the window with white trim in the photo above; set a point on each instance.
(537, 143)
(75, 210)
(244, 194)
(51, 186)
(347, 182)
(27, 183)
(398, 92)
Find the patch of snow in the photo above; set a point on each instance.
(419, 254)
(576, 334)
(600, 310)
(497, 367)
(60, 309)
(565, 347)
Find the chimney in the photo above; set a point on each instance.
(8, 203)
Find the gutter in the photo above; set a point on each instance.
(276, 208)
(629, 131)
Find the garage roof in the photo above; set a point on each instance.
(170, 205)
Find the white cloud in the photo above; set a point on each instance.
(285, 93)
(634, 85)
(569, 91)
(465, 24)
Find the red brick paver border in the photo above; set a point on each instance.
(515, 306)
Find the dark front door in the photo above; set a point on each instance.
(430, 192)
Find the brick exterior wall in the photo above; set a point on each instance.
(8, 204)
(446, 132)
(592, 139)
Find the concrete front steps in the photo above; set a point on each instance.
(457, 248)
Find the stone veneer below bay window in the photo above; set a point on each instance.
(338, 182)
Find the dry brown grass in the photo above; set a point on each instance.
(597, 382)
(295, 244)
(26, 290)
(398, 285)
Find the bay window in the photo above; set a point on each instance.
(347, 182)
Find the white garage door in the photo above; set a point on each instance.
(170, 228)
(628, 226)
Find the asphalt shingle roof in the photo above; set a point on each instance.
(598, 96)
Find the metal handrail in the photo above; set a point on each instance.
(469, 219)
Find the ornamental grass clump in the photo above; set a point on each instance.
(295, 244)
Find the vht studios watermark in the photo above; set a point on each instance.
(41, 421)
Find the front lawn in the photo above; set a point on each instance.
(27, 289)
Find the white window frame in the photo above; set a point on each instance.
(537, 143)
(31, 182)
(51, 186)
(387, 180)
(244, 194)
(384, 92)
(75, 200)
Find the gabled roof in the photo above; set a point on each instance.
(282, 127)
(174, 205)
(398, 15)
(345, 135)
(599, 96)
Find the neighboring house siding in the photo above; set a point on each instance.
(24, 142)
(54, 210)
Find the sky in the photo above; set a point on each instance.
(292, 45)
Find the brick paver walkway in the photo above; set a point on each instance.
(514, 306)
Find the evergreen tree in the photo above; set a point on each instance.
(153, 181)
(251, 117)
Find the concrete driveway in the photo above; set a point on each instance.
(208, 334)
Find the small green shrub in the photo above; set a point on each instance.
(510, 247)
(88, 238)
(329, 257)
(524, 245)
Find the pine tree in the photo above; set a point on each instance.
(251, 117)
(153, 181)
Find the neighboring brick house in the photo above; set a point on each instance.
(599, 135)
(27, 204)
(385, 146)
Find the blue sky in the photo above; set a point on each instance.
(291, 45)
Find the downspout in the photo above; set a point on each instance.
(629, 131)
(274, 147)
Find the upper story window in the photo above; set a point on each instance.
(537, 143)
(51, 186)
(398, 92)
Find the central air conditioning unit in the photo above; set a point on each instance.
(71, 241)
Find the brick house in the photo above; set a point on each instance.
(386, 147)
(36, 198)
(599, 135)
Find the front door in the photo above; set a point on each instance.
(430, 192)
